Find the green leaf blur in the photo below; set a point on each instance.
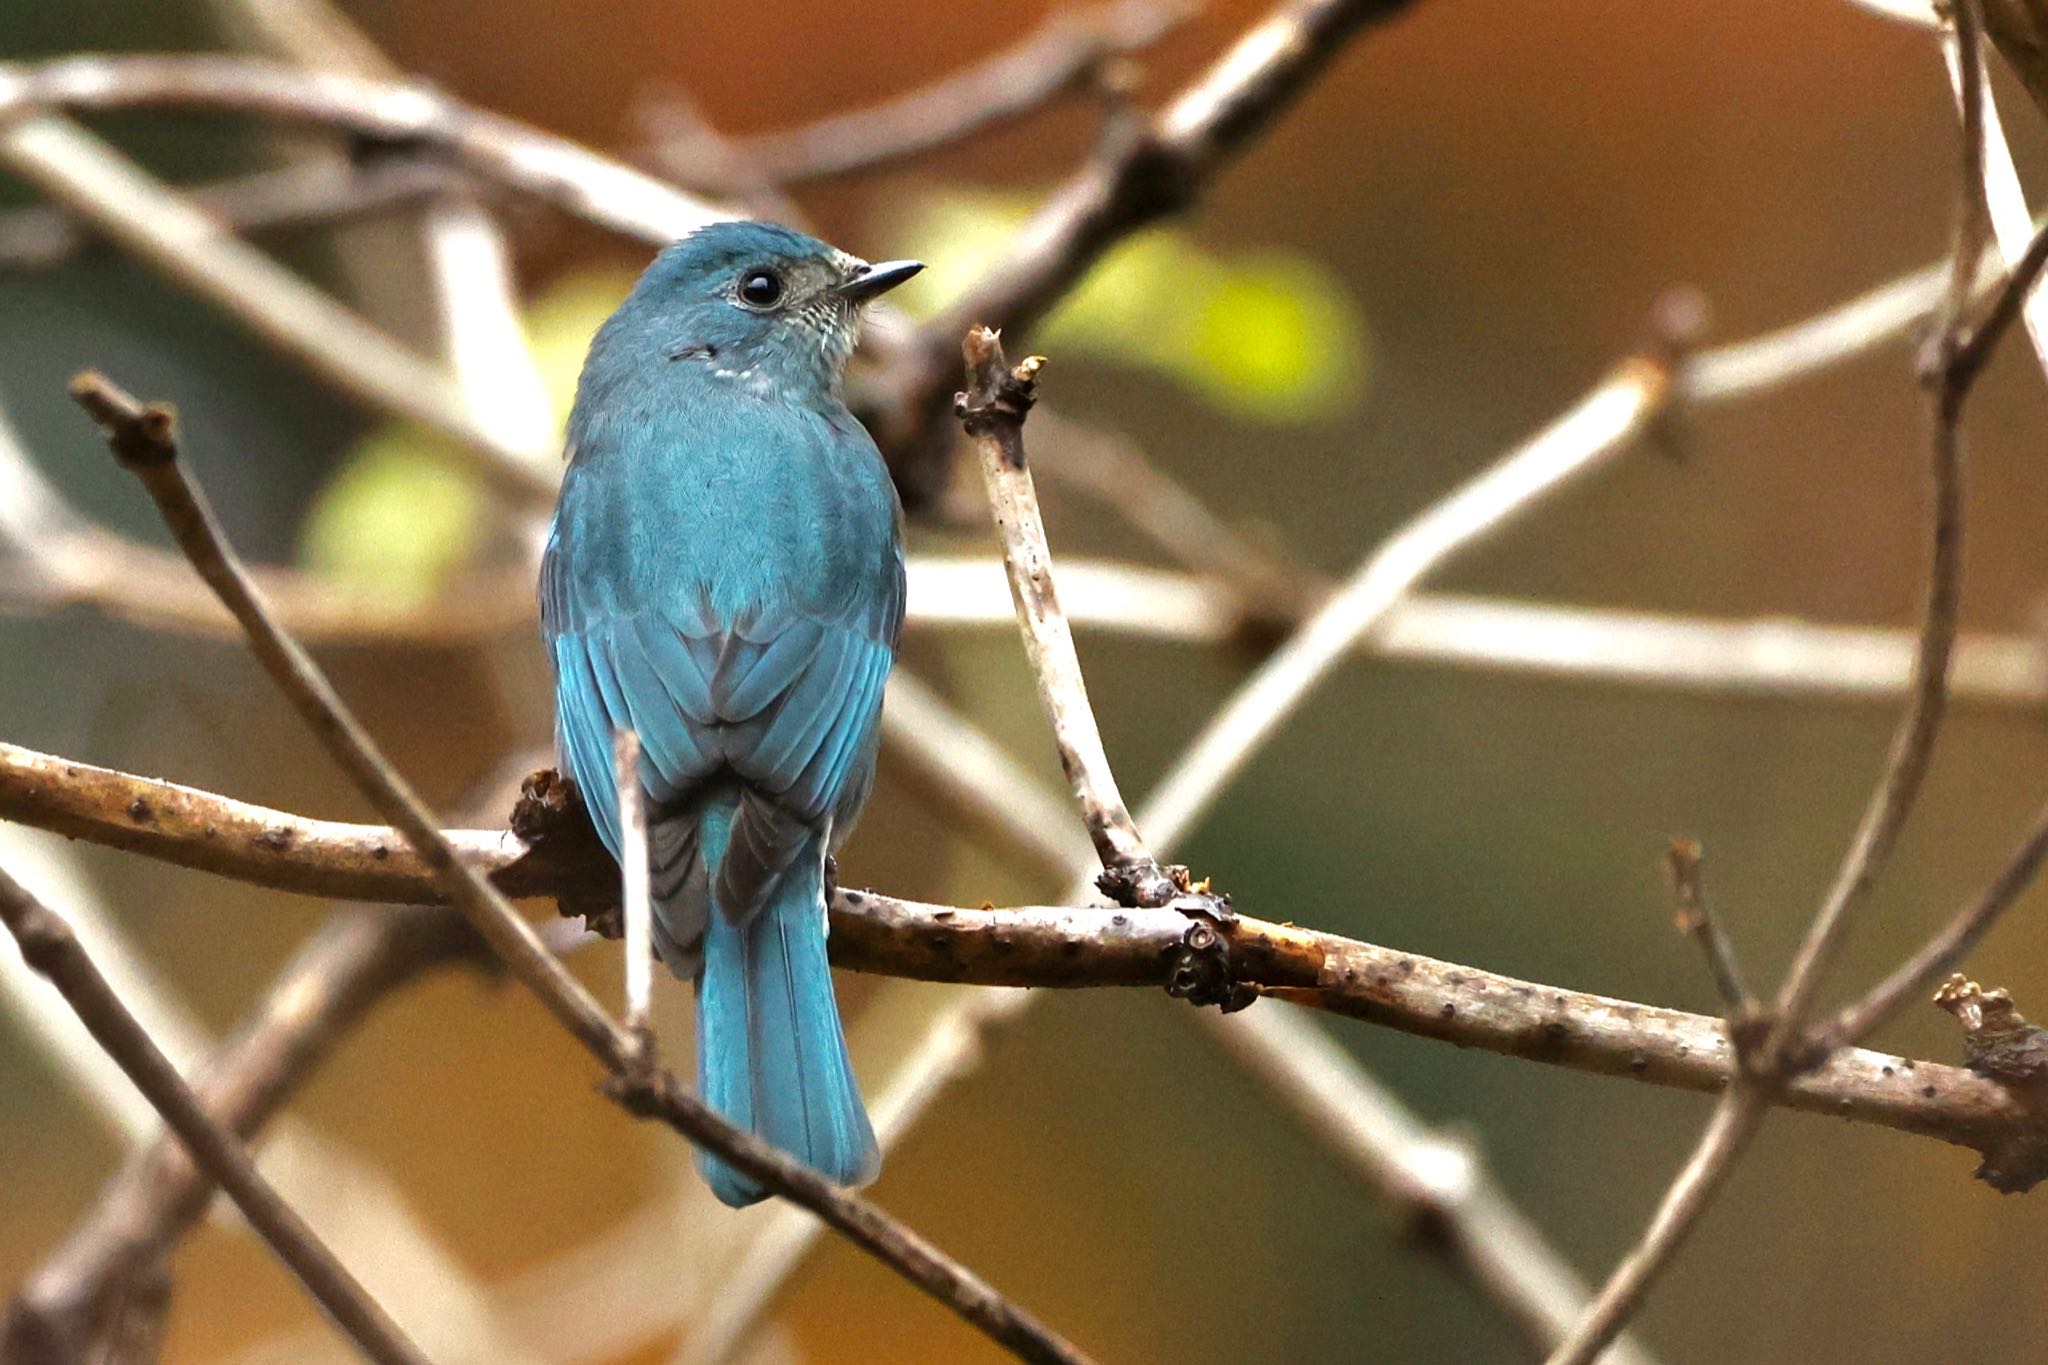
(1270, 337)
(398, 516)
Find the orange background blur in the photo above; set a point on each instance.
(1503, 191)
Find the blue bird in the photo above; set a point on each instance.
(725, 576)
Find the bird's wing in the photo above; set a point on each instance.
(784, 701)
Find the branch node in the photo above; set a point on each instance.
(997, 395)
(1999, 1044)
(141, 435)
(1201, 971)
(1140, 882)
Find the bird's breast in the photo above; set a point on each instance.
(752, 508)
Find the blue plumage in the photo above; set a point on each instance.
(725, 576)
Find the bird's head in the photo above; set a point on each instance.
(754, 304)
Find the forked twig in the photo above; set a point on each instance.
(1051, 946)
(1787, 1047)
(153, 221)
(1143, 174)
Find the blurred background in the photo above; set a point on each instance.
(1445, 243)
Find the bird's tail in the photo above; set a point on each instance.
(770, 1052)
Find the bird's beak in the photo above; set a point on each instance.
(873, 280)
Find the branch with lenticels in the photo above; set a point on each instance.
(1048, 946)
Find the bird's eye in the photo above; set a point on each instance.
(760, 288)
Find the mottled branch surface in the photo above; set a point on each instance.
(1050, 946)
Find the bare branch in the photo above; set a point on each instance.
(683, 133)
(1268, 588)
(2005, 199)
(1944, 952)
(1435, 1183)
(309, 193)
(957, 1028)
(974, 780)
(1598, 427)
(61, 563)
(1038, 946)
(992, 410)
(49, 946)
(1958, 358)
(1696, 921)
(144, 441)
(89, 1285)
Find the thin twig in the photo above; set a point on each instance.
(100, 1278)
(1958, 358)
(972, 778)
(958, 1031)
(1435, 1183)
(1965, 360)
(86, 1290)
(1068, 55)
(53, 557)
(1114, 471)
(684, 135)
(466, 258)
(394, 113)
(1696, 921)
(2005, 198)
(992, 411)
(50, 947)
(60, 563)
(1918, 13)
(1592, 432)
(1943, 953)
(143, 440)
